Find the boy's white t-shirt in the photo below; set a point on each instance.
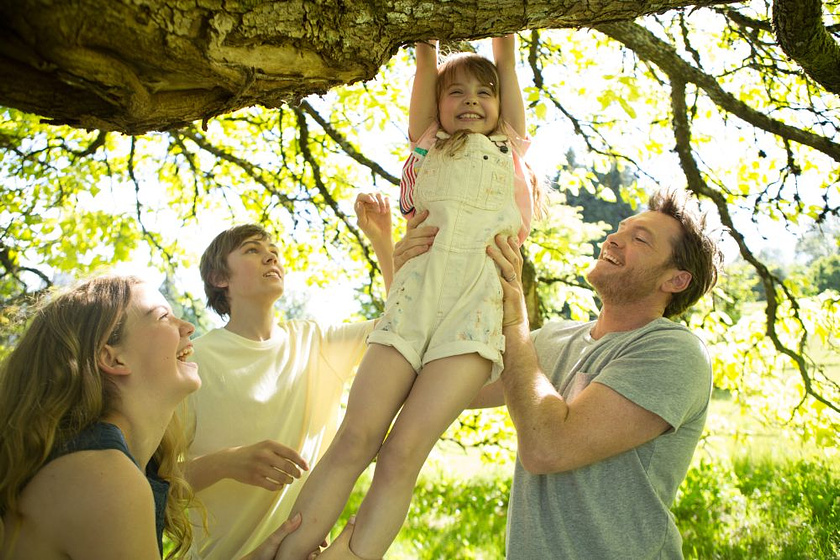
(287, 389)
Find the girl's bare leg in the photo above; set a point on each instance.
(441, 392)
(381, 385)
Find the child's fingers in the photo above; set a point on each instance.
(381, 202)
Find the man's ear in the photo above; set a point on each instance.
(678, 282)
(111, 363)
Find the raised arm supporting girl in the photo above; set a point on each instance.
(440, 339)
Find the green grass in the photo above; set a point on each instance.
(449, 518)
(751, 494)
(743, 509)
(757, 509)
(747, 501)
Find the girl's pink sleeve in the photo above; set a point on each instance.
(412, 167)
(522, 179)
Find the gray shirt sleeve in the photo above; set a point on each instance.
(667, 372)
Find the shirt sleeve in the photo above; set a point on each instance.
(666, 372)
(411, 168)
(407, 180)
(344, 345)
(519, 144)
(523, 178)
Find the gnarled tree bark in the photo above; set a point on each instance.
(802, 35)
(139, 65)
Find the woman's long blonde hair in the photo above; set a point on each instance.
(51, 388)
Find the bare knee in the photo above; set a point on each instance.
(356, 444)
(399, 461)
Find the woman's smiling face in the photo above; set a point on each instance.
(156, 343)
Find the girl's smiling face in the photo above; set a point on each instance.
(466, 103)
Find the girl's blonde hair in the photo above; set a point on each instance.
(485, 71)
(51, 388)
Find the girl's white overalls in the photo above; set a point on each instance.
(448, 301)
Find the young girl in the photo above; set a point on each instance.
(90, 448)
(440, 339)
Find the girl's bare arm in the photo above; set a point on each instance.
(422, 111)
(512, 108)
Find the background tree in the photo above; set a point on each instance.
(706, 98)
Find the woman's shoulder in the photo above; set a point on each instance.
(85, 499)
(90, 478)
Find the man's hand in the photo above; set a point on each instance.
(267, 464)
(509, 260)
(416, 241)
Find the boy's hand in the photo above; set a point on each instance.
(267, 464)
(373, 214)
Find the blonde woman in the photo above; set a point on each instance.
(89, 443)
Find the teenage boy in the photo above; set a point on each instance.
(270, 398)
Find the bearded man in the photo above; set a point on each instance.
(608, 413)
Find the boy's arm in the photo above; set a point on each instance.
(512, 108)
(267, 464)
(422, 111)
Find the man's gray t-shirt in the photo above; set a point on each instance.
(617, 508)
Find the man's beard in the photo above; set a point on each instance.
(626, 288)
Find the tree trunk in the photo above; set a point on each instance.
(140, 65)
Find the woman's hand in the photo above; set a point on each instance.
(416, 241)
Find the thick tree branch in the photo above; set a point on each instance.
(140, 65)
(801, 34)
(650, 48)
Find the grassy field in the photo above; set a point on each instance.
(754, 496)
